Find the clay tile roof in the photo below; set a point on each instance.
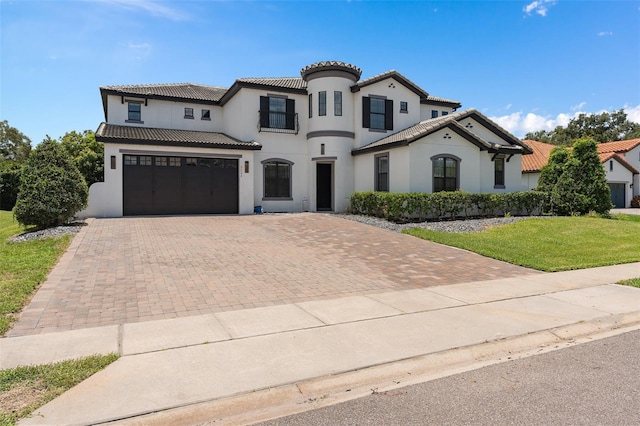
(618, 146)
(426, 127)
(187, 91)
(172, 137)
(534, 162)
(281, 82)
(331, 65)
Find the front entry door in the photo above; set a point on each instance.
(324, 186)
(617, 194)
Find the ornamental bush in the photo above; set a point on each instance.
(10, 172)
(414, 206)
(52, 189)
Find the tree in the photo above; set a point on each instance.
(87, 153)
(604, 127)
(10, 172)
(14, 145)
(52, 189)
(575, 180)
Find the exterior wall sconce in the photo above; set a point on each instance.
(113, 162)
(246, 167)
(321, 149)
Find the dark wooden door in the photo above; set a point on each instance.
(324, 186)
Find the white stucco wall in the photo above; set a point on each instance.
(165, 114)
(425, 111)
(530, 180)
(391, 89)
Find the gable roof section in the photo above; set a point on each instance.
(294, 85)
(604, 157)
(112, 133)
(451, 121)
(539, 158)
(424, 96)
(618, 146)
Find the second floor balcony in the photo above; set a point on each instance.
(278, 122)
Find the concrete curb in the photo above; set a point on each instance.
(292, 398)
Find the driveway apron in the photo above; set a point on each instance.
(135, 269)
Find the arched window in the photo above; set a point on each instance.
(277, 178)
(446, 172)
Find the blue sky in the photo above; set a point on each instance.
(530, 65)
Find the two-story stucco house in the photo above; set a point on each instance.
(291, 144)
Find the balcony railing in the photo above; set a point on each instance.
(278, 122)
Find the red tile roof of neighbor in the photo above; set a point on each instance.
(534, 162)
(618, 146)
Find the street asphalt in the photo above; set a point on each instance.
(596, 383)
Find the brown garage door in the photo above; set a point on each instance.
(179, 185)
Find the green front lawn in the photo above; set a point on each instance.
(633, 282)
(23, 267)
(552, 244)
(24, 389)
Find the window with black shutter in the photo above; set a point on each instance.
(377, 113)
(277, 113)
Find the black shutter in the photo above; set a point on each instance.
(291, 114)
(264, 111)
(366, 112)
(388, 114)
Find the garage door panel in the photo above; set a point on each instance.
(137, 172)
(167, 185)
(225, 187)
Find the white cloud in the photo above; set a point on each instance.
(539, 6)
(508, 107)
(579, 106)
(153, 7)
(520, 124)
(605, 33)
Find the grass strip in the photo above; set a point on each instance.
(23, 267)
(552, 244)
(633, 282)
(25, 389)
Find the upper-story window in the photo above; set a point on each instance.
(134, 111)
(188, 113)
(337, 103)
(278, 113)
(434, 113)
(444, 113)
(322, 103)
(404, 107)
(377, 113)
(310, 105)
(206, 114)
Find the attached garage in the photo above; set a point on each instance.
(165, 185)
(172, 172)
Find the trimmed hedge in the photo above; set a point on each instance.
(421, 206)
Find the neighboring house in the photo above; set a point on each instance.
(621, 174)
(291, 144)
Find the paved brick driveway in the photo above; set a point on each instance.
(138, 269)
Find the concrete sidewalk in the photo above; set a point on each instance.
(249, 365)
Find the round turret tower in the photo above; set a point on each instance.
(331, 132)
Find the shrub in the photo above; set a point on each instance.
(635, 201)
(52, 189)
(399, 207)
(9, 184)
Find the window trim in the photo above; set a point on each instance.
(404, 110)
(264, 180)
(322, 103)
(445, 156)
(496, 183)
(188, 113)
(376, 165)
(434, 113)
(205, 114)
